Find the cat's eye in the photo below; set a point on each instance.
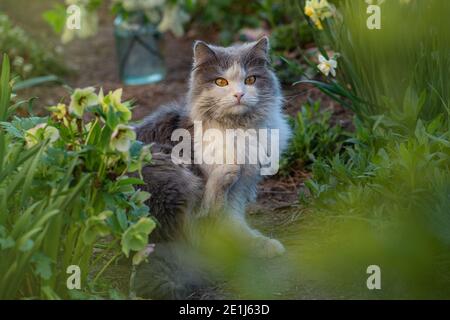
(250, 80)
(221, 82)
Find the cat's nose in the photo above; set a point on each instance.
(239, 96)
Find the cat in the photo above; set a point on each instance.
(229, 88)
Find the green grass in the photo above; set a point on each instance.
(313, 138)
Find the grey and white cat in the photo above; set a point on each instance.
(230, 88)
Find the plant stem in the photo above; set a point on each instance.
(106, 266)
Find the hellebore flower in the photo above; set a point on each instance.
(82, 99)
(113, 99)
(41, 132)
(121, 138)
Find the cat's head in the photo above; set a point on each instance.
(233, 83)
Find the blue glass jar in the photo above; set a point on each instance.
(137, 42)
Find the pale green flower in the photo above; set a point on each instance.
(39, 133)
(151, 8)
(96, 226)
(114, 100)
(18, 61)
(122, 137)
(82, 99)
(27, 68)
(59, 111)
(136, 236)
(173, 19)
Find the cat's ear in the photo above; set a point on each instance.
(202, 53)
(261, 48)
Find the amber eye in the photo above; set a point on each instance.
(250, 80)
(221, 82)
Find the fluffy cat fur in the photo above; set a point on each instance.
(185, 194)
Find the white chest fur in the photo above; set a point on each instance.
(256, 147)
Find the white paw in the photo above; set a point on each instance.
(231, 174)
(268, 248)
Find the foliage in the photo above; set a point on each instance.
(411, 55)
(228, 16)
(67, 185)
(313, 138)
(28, 57)
(288, 37)
(384, 200)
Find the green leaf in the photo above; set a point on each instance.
(122, 219)
(136, 236)
(5, 88)
(130, 181)
(12, 130)
(96, 227)
(33, 82)
(43, 265)
(142, 196)
(56, 17)
(6, 243)
(136, 148)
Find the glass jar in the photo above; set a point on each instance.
(137, 43)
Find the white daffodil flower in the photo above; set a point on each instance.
(327, 66)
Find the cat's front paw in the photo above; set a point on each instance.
(268, 248)
(231, 174)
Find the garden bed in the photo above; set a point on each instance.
(363, 182)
